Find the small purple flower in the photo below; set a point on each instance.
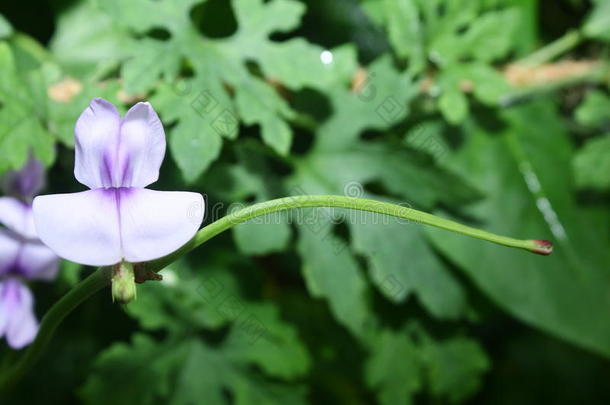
(118, 220)
(24, 183)
(17, 319)
(22, 256)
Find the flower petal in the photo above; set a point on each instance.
(156, 223)
(37, 262)
(81, 227)
(97, 141)
(9, 250)
(142, 146)
(17, 319)
(17, 216)
(4, 310)
(26, 182)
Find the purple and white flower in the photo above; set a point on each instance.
(118, 219)
(22, 255)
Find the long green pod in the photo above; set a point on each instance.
(101, 278)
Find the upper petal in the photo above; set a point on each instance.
(17, 216)
(9, 250)
(25, 183)
(142, 146)
(156, 223)
(81, 227)
(37, 262)
(97, 142)
(17, 319)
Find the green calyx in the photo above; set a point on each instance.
(123, 283)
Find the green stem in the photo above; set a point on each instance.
(553, 50)
(100, 278)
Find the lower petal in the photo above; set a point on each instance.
(9, 250)
(37, 262)
(80, 227)
(157, 223)
(17, 319)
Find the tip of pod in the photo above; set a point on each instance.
(542, 247)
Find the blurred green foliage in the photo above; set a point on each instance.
(479, 110)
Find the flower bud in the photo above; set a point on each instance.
(123, 283)
(26, 182)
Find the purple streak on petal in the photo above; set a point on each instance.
(17, 216)
(81, 227)
(17, 320)
(10, 245)
(97, 139)
(156, 223)
(142, 146)
(27, 182)
(36, 262)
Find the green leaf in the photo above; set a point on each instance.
(592, 164)
(486, 83)
(595, 110)
(184, 300)
(142, 370)
(263, 235)
(448, 32)
(598, 21)
(402, 263)
(144, 15)
(403, 361)
(454, 105)
(194, 146)
(489, 85)
(204, 115)
(5, 27)
(405, 32)
(190, 300)
(329, 265)
(427, 137)
(490, 37)
(527, 177)
(297, 64)
(401, 170)
(149, 59)
(86, 40)
(260, 104)
(265, 340)
(454, 367)
(23, 112)
(252, 178)
(196, 140)
(445, 23)
(487, 36)
(381, 103)
(331, 272)
(394, 368)
(178, 372)
(258, 19)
